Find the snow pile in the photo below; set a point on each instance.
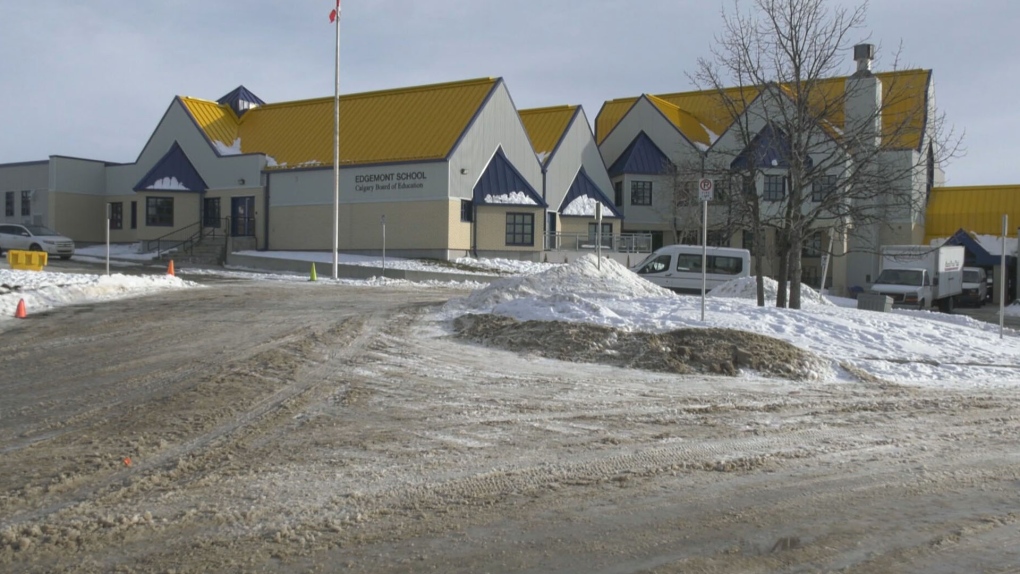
(512, 198)
(168, 183)
(747, 288)
(579, 291)
(224, 149)
(504, 265)
(585, 206)
(44, 290)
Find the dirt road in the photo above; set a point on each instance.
(258, 426)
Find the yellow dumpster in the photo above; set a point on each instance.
(27, 260)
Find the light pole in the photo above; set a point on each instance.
(334, 17)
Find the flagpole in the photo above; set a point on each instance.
(336, 151)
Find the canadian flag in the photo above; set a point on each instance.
(334, 14)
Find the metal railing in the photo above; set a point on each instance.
(184, 239)
(618, 242)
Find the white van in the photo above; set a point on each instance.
(975, 286)
(678, 267)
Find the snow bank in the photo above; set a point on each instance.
(747, 288)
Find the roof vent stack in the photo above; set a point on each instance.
(864, 54)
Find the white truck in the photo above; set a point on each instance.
(920, 277)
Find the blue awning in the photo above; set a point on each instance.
(502, 184)
(584, 187)
(174, 172)
(642, 156)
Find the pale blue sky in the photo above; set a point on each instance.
(92, 78)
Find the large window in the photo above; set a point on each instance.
(775, 188)
(211, 212)
(640, 193)
(26, 202)
(520, 229)
(117, 215)
(823, 187)
(159, 211)
(9, 204)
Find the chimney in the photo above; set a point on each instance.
(863, 55)
(863, 100)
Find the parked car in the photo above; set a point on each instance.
(35, 238)
(678, 267)
(975, 286)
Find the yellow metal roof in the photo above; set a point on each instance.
(690, 126)
(977, 209)
(904, 96)
(545, 126)
(407, 124)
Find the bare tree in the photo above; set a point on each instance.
(776, 70)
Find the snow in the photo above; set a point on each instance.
(168, 183)
(541, 156)
(512, 198)
(232, 149)
(584, 205)
(920, 348)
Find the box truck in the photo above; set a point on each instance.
(921, 277)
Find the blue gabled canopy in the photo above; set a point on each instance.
(502, 180)
(174, 172)
(641, 156)
(583, 186)
(241, 100)
(770, 148)
(975, 255)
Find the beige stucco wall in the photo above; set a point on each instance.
(187, 210)
(492, 228)
(459, 237)
(413, 225)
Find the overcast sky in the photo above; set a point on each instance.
(92, 78)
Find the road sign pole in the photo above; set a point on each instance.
(705, 189)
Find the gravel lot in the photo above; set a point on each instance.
(293, 427)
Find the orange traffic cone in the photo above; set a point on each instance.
(20, 313)
(170, 268)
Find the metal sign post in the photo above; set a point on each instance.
(705, 188)
(109, 213)
(384, 245)
(598, 236)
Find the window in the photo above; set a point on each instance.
(211, 212)
(718, 264)
(618, 194)
(775, 188)
(159, 211)
(657, 265)
(9, 204)
(607, 234)
(747, 239)
(640, 193)
(823, 187)
(26, 202)
(134, 215)
(719, 238)
(466, 210)
(520, 229)
(812, 246)
(117, 215)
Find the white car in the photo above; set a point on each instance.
(35, 238)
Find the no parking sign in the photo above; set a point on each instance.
(705, 188)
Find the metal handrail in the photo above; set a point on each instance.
(185, 238)
(618, 242)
